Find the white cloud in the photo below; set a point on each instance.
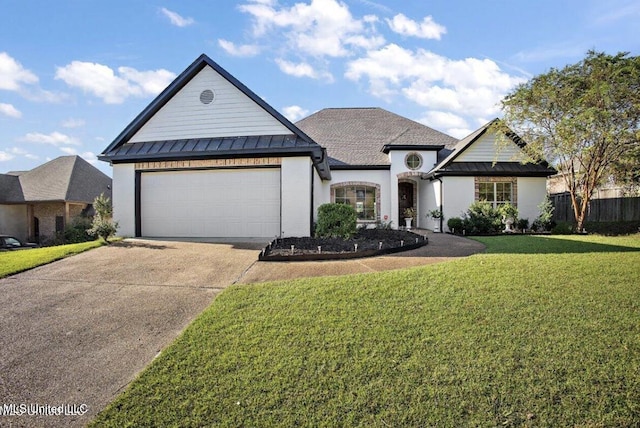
(302, 70)
(21, 152)
(176, 19)
(464, 87)
(427, 29)
(449, 123)
(54, 139)
(13, 74)
(10, 110)
(101, 81)
(73, 123)
(4, 156)
(295, 113)
(238, 50)
(320, 28)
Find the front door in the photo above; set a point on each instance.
(405, 199)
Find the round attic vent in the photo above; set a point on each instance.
(206, 96)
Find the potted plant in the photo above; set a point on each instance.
(409, 214)
(509, 215)
(436, 215)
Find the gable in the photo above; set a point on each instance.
(487, 149)
(231, 113)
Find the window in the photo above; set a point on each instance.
(361, 198)
(413, 161)
(495, 192)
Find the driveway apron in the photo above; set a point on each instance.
(75, 332)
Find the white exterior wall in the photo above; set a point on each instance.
(124, 199)
(428, 200)
(14, 221)
(531, 192)
(487, 149)
(380, 177)
(231, 113)
(296, 196)
(458, 195)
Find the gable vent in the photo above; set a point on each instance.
(206, 96)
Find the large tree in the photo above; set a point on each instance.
(584, 119)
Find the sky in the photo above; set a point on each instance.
(74, 74)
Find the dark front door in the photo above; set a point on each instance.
(405, 199)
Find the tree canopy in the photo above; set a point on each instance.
(584, 119)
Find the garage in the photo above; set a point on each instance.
(225, 203)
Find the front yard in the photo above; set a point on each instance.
(540, 331)
(12, 262)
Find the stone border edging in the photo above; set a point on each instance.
(265, 257)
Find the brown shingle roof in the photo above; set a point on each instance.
(66, 178)
(357, 136)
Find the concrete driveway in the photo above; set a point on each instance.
(76, 332)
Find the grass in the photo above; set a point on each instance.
(513, 337)
(12, 262)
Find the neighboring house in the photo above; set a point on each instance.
(37, 204)
(209, 158)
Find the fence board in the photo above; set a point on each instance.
(600, 210)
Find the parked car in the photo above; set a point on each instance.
(10, 243)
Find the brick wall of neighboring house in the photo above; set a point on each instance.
(46, 213)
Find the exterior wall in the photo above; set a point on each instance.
(296, 203)
(322, 193)
(14, 220)
(230, 114)
(46, 214)
(458, 194)
(124, 199)
(531, 192)
(428, 199)
(487, 149)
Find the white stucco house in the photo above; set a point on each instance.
(209, 158)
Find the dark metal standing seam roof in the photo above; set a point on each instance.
(497, 169)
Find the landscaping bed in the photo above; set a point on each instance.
(365, 243)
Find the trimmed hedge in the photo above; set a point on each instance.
(336, 221)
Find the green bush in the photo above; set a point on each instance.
(455, 225)
(336, 220)
(522, 224)
(562, 228)
(482, 219)
(76, 232)
(613, 227)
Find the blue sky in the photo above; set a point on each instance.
(73, 74)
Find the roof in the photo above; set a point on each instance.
(447, 166)
(120, 150)
(66, 178)
(362, 136)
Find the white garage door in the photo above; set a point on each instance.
(221, 203)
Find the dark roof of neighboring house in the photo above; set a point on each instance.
(66, 178)
(448, 167)
(362, 136)
(297, 142)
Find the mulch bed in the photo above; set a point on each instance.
(366, 243)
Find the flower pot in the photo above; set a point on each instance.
(407, 222)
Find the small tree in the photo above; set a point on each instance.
(102, 225)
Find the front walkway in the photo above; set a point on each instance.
(442, 247)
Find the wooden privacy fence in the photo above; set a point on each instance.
(600, 210)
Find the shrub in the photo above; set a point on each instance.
(455, 225)
(544, 221)
(102, 225)
(613, 227)
(336, 220)
(482, 218)
(562, 228)
(76, 232)
(522, 224)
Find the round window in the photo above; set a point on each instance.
(413, 161)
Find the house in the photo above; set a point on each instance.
(209, 158)
(38, 204)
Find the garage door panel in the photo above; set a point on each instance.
(212, 203)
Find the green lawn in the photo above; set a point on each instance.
(547, 336)
(12, 262)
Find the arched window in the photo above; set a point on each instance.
(362, 197)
